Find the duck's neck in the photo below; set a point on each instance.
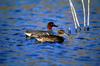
(49, 28)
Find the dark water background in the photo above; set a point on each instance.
(18, 15)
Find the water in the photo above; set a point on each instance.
(18, 16)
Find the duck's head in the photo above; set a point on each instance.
(51, 25)
(62, 33)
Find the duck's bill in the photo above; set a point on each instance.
(66, 34)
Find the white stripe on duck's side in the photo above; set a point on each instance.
(28, 34)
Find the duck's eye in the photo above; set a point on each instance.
(51, 24)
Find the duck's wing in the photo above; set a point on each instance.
(42, 33)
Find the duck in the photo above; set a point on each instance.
(39, 33)
(53, 38)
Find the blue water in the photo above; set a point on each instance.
(18, 16)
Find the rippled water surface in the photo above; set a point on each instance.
(16, 16)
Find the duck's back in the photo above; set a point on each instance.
(38, 33)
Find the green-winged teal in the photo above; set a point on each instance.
(39, 33)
